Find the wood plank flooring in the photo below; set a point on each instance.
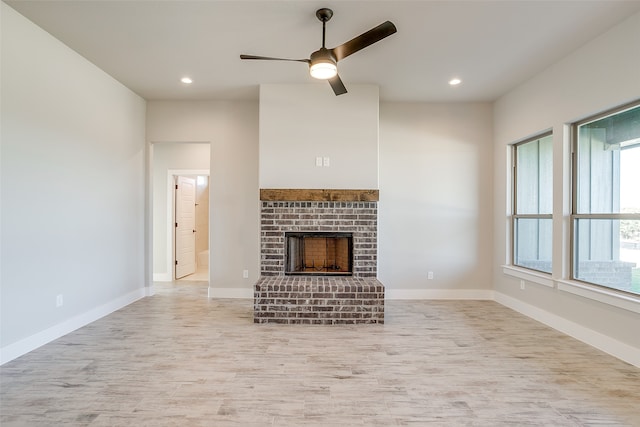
(180, 359)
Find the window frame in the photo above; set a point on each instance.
(515, 216)
(574, 215)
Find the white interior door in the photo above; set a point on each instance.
(185, 227)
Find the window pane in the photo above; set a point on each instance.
(607, 253)
(533, 243)
(609, 164)
(534, 175)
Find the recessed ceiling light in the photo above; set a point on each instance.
(186, 80)
(455, 82)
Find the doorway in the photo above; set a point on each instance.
(170, 160)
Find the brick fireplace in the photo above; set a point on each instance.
(315, 296)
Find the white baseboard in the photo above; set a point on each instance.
(461, 294)
(595, 339)
(24, 346)
(230, 292)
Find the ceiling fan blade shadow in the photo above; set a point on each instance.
(363, 40)
(269, 58)
(337, 85)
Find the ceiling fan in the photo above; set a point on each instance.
(323, 62)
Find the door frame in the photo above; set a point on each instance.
(171, 214)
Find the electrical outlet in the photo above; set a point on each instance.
(430, 275)
(59, 301)
(319, 162)
(245, 274)
(522, 285)
(326, 162)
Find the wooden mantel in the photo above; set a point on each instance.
(316, 195)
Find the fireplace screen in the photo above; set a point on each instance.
(319, 253)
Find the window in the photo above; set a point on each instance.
(532, 203)
(606, 200)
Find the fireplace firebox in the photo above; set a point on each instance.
(318, 253)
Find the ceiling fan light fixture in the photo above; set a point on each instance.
(323, 70)
(323, 65)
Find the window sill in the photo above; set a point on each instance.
(611, 297)
(529, 275)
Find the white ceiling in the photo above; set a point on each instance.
(491, 45)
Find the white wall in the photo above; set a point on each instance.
(170, 156)
(602, 74)
(234, 220)
(72, 189)
(436, 174)
(301, 122)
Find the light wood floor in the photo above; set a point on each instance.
(180, 359)
(201, 274)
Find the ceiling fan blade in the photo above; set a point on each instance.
(363, 40)
(337, 85)
(268, 58)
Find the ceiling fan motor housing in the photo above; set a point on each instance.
(323, 55)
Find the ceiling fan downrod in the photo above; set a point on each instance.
(324, 15)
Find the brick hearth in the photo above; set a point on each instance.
(319, 299)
